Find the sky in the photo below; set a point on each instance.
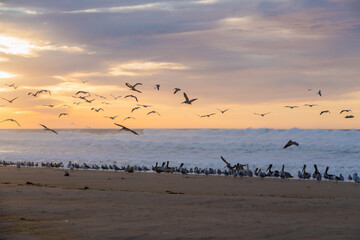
(247, 56)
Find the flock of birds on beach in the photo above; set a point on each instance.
(241, 170)
(87, 97)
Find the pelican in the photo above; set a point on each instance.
(223, 111)
(63, 114)
(345, 110)
(11, 100)
(153, 112)
(306, 174)
(176, 90)
(328, 176)
(187, 100)
(11, 120)
(326, 111)
(291, 142)
(284, 174)
(262, 114)
(132, 97)
(132, 87)
(126, 129)
(48, 129)
(316, 174)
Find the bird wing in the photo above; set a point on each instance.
(16, 122)
(186, 97)
(288, 144)
(192, 100)
(43, 126)
(52, 131)
(137, 84)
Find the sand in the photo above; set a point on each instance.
(118, 205)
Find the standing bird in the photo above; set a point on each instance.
(157, 87)
(290, 143)
(11, 100)
(48, 129)
(187, 100)
(132, 87)
(126, 129)
(262, 114)
(223, 111)
(11, 120)
(176, 90)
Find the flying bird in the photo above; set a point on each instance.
(43, 91)
(326, 111)
(115, 98)
(63, 114)
(65, 105)
(11, 100)
(126, 129)
(291, 107)
(97, 109)
(176, 90)
(187, 100)
(310, 105)
(349, 116)
(157, 86)
(153, 112)
(11, 85)
(145, 106)
(262, 114)
(132, 97)
(111, 117)
(11, 120)
(83, 92)
(100, 96)
(48, 129)
(50, 105)
(135, 108)
(132, 87)
(128, 118)
(106, 103)
(85, 81)
(223, 111)
(345, 110)
(319, 93)
(207, 115)
(290, 143)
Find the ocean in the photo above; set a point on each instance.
(338, 149)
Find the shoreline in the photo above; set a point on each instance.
(119, 205)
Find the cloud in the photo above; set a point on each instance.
(144, 68)
(6, 75)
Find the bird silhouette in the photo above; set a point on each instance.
(290, 143)
(132, 87)
(176, 90)
(207, 115)
(132, 96)
(187, 100)
(310, 105)
(326, 111)
(126, 129)
(157, 87)
(155, 112)
(48, 129)
(10, 101)
(111, 117)
(345, 110)
(291, 107)
(63, 114)
(262, 114)
(11, 120)
(319, 93)
(97, 109)
(223, 111)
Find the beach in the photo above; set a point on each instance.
(41, 203)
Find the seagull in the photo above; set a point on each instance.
(48, 129)
(115, 98)
(111, 117)
(33, 94)
(207, 115)
(63, 114)
(135, 108)
(10, 101)
(187, 101)
(11, 85)
(100, 96)
(87, 100)
(310, 105)
(319, 92)
(223, 111)
(65, 105)
(97, 110)
(43, 91)
(262, 114)
(128, 118)
(176, 90)
(157, 86)
(126, 129)
(76, 103)
(291, 142)
(132, 87)
(153, 112)
(291, 107)
(11, 120)
(132, 97)
(50, 105)
(83, 92)
(349, 116)
(345, 110)
(326, 111)
(145, 106)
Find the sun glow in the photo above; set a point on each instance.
(6, 75)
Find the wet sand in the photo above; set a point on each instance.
(40, 203)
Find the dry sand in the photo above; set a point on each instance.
(109, 205)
